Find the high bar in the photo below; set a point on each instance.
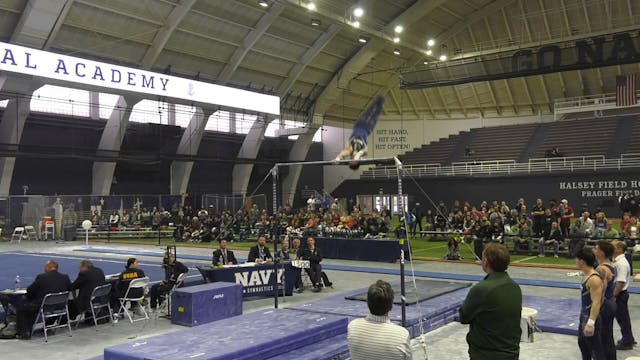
(374, 161)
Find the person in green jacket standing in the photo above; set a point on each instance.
(493, 310)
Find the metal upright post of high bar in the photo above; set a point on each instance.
(403, 299)
(274, 233)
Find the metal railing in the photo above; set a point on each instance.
(508, 167)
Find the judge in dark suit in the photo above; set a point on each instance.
(88, 279)
(283, 253)
(313, 254)
(49, 282)
(223, 256)
(260, 253)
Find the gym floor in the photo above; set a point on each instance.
(447, 342)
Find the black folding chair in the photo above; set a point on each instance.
(54, 306)
(100, 300)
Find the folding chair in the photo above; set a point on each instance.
(53, 306)
(165, 300)
(100, 297)
(143, 285)
(17, 235)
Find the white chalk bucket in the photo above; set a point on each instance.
(528, 323)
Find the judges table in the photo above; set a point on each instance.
(256, 279)
(382, 250)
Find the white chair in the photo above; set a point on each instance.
(53, 306)
(18, 233)
(100, 299)
(49, 231)
(141, 284)
(30, 233)
(165, 300)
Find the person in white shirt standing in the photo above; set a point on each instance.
(623, 279)
(375, 337)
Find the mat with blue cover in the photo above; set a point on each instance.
(555, 315)
(258, 335)
(423, 290)
(435, 312)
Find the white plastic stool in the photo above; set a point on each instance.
(49, 229)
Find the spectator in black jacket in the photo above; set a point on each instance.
(49, 282)
(88, 279)
(173, 269)
(313, 254)
(552, 238)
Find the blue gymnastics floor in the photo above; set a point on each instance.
(373, 270)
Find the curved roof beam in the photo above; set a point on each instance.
(40, 22)
(364, 56)
(164, 33)
(482, 13)
(241, 51)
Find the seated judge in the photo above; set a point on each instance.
(88, 279)
(173, 269)
(49, 282)
(222, 256)
(313, 254)
(130, 272)
(283, 253)
(260, 253)
(295, 250)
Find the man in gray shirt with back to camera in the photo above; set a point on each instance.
(376, 337)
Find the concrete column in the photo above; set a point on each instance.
(189, 145)
(94, 105)
(12, 124)
(249, 150)
(298, 153)
(110, 143)
(171, 108)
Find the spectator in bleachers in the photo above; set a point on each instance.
(577, 238)
(523, 241)
(551, 238)
(537, 214)
(114, 220)
(610, 233)
(566, 212)
(600, 224)
(520, 206)
(587, 227)
(95, 218)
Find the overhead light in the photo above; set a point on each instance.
(316, 22)
(443, 57)
(358, 12)
(429, 52)
(363, 39)
(396, 39)
(431, 42)
(356, 24)
(396, 51)
(263, 3)
(426, 62)
(311, 6)
(398, 29)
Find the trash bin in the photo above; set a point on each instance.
(69, 233)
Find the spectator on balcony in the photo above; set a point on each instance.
(468, 151)
(537, 214)
(566, 212)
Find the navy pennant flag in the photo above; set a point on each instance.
(626, 90)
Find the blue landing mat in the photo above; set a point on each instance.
(558, 316)
(424, 290)
(435, 312)
(372, 270)
(258, 335)
(331, 348)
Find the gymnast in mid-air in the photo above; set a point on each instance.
(356, 147)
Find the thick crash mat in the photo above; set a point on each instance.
(201, 304)
(424, 290)
(258, 335)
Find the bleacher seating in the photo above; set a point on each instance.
(499, 143)
(579, 137)
(634, 142)
(436, 152)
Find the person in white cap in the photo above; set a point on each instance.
(566, 213)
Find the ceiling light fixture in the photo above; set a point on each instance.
(398, 29)
(396, 51)
(362, 39)
(263, 3)
(429, 52)
(356, 24)
(311, 6)
(443, 57)
(431, 42)
(316, 22)
(396, 39)
(425, 62)
(358, 12)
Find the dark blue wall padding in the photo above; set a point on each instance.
(258, 335)
(560, 316)
(202, 304)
